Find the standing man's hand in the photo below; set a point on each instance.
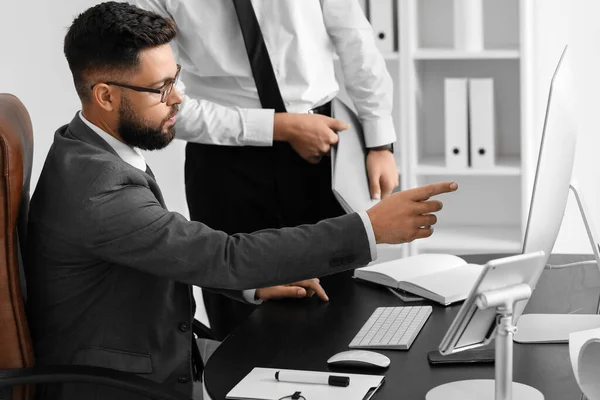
(310, 135)
(298, 290)
(408, 215)
(382, 171)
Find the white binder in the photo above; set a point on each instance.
(482, 122)
(468, 25)
(456, 122)
(381, 17)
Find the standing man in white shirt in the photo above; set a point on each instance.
(253, 162)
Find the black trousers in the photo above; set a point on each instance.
(246, 189)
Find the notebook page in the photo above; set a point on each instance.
(451, 284)
(407, 269)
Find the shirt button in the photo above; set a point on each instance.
(184, 326)
(184, 379)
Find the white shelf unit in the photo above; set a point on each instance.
(488, 213)
(448, 54)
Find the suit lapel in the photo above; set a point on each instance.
(81, 131)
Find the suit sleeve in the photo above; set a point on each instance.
(126, 225)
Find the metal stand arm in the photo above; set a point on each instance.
(503, 300)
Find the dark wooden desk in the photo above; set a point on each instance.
(304, 334)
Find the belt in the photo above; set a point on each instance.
(325, 109)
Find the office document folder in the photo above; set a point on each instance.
(381, 14)
(482, 122)
(349, 179)
(260, 384)
(456, 122)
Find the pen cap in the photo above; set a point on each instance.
(339, 380)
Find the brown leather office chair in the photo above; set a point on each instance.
(16, 349)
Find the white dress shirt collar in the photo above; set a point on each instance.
(131, 155)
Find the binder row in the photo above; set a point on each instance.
(469, 123)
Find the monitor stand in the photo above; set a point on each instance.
(503, 387)
(556, 328)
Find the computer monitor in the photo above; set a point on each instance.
(553, 180)
(554, 165)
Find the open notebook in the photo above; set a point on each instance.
(443, 278)
(260, 384)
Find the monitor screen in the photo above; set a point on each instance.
(555, 164)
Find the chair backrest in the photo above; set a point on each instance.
(16, 156)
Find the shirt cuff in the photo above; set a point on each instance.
(258, 126)
(249, 295)
(370, 234)
(379, 132)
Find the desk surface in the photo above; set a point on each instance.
(304, 334)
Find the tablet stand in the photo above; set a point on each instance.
(503, 387)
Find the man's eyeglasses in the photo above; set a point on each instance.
(164, 91)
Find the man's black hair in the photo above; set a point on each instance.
(108, 38)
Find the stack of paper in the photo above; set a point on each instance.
(350, 183)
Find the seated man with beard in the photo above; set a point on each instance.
(110, 269)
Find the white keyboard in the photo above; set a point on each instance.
(393, 328)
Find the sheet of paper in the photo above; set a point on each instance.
(584, 350)
(260, 384)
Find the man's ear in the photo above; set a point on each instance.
(105, 96)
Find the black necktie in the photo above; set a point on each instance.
(258, 55)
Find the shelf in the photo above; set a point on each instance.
(390, 56)
(451, 54)
(436, 165)
(472, 240)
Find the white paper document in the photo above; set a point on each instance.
(584, 350)
(350, 182)
(260, 384)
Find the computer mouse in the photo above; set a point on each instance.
(359, 359)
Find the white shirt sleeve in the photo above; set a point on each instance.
(370, 234)
(368, 81)
(202, 121)
(249, 296)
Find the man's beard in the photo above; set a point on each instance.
(136, 133)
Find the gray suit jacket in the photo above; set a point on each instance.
(110, 269)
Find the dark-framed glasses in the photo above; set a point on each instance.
(164, 91)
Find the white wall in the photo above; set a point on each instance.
(33, 67)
